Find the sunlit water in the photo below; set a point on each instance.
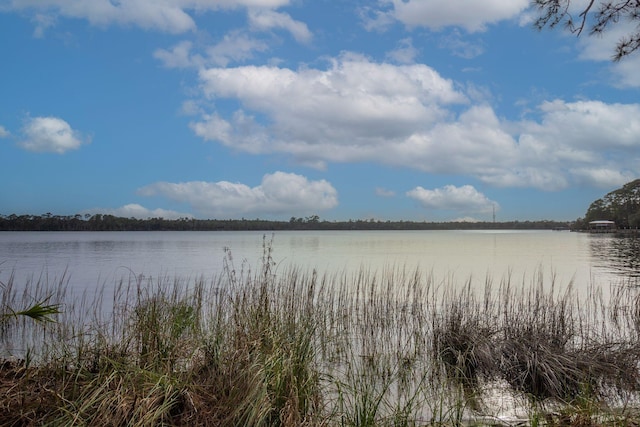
(91, 260)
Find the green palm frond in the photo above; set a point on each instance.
(40, 312)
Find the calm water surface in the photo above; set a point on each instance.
(89, 260)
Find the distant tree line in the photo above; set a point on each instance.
(99, 222)
(621, 206)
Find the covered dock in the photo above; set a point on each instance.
(602, 226)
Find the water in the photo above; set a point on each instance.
(90, 260)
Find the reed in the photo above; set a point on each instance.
(391, 347)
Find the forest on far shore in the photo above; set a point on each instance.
(99, 222)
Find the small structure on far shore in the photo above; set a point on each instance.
(602, 226)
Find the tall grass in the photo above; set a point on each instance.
(391, 347)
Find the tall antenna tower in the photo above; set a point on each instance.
(494, 213)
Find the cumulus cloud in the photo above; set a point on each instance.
(3, 132)
(473, 15)
(278, 193)
(595, 141)
(171, 16)
(214, 128)
(50, 134)
(134, 210)
(451, 198)
(264, 20)
(590, 124)
(349, 111)
(357, 110)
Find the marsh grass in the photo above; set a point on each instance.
(393, 347)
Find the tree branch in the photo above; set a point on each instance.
(583, 15)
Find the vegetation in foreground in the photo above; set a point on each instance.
(268, 348)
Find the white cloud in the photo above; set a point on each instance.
(375, 19)
(213, 128)
(475, 143)
(242, 133)
(3, 132)
(171, 16)
(461, 199)
(355, 107)
(603, 177)
(625, 73)
(585, 142)
(179, 56)
(409, 116)
(596, 143)
(473, 15)
(590, 124)
(279, 193)
(50, 134)
(134, 210)
(264, 20)
(602, 46)
(405, 53)
(235, 46)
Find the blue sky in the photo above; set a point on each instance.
(429, 110)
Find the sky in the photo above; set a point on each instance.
(419, 110)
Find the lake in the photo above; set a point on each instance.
(91, 260)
